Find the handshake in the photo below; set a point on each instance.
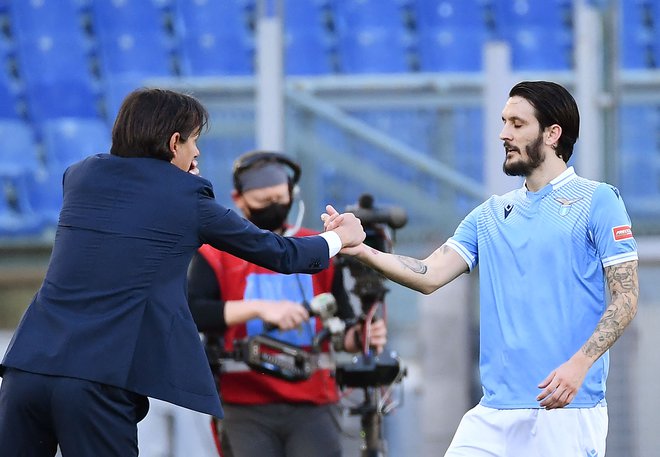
(347, 226)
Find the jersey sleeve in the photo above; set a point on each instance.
(610, 227)
(464, 240)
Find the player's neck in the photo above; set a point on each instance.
(541, 176)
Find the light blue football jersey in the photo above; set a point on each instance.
(541, 259)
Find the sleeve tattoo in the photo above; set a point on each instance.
(414, 265)
(624, 290)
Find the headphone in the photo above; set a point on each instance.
(250, 159)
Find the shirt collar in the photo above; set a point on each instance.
(565, 177)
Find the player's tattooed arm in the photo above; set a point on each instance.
(414, 265)
(623, 284)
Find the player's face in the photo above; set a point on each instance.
(523, 138)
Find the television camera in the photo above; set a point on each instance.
(367, 370)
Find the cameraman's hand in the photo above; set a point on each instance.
(284, 314)
(378, 335)
(346, 225)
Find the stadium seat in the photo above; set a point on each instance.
(307, 43)
(639, 139)
(351, 14)
(69, 140)
(451, 49)
(450, 34)
(214, 37)
(637, 39)
(17, 220)
(433, 14)
(540, 33)
(54, 59)
(44, 196)
(9, 89)
(373, 50)
(19, 154)
(57, 17)
(132, 38)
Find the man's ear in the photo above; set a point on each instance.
(174, 141)
(235, 196)
(553, 134)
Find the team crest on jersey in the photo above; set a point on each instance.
(566, 204)
(622, 232)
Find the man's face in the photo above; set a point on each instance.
(186, 152)
(523, 138)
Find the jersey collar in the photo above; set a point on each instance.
(565, 177)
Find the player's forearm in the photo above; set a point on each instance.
(424, 276)
(624, 289)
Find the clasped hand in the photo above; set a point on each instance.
(346, 225)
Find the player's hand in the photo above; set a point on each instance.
(346, 225)
(285, 314)
(561, 386)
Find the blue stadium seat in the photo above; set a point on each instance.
(307, 43)
(132, 38)
(371, 36)
(307, 53)
(57, 17)
(350, 14)
(214, 37)
(19, 154)
(44, 195)
(451, 34)
(451, 49)
(54, 58)
(132, 52)
(637, 39)
(450, 13)
(540, 33)
(17, 220)
(373, 50)
(69, 140)
(639, 139)
(9, 88)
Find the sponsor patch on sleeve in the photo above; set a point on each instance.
(622, 232)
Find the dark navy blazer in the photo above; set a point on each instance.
(112, 307)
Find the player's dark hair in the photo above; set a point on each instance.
(553, 104)
(148, 118)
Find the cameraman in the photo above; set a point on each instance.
(266, 416)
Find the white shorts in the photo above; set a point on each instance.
(565, 432)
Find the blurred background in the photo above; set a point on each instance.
(400, 99)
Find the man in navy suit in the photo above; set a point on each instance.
(110, 325)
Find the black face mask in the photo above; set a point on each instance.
(271, 217)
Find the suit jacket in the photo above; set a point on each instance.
(112, 307)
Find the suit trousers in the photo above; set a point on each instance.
(85, 418)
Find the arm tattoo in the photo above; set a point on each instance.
(414, 265)
(624, 290)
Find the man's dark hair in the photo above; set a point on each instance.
(148, 118)
(553, 104)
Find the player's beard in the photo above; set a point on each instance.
(525, 166)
